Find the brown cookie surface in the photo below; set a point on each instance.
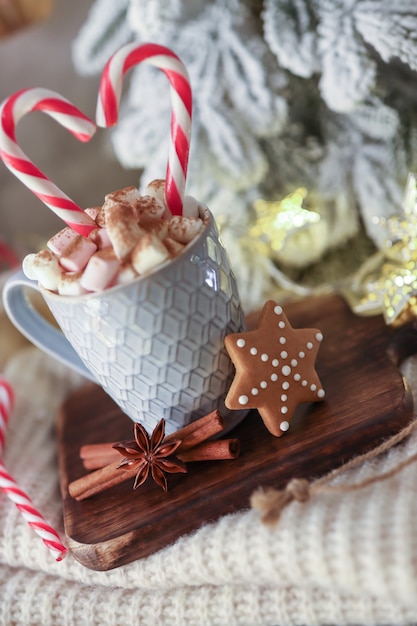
(275, 368)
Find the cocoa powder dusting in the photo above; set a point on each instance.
(73, 246)
(157, 184)
(106, 254)
(44, 255)
(101, 218)
(174, 247)
(120, 218)
(120, 195)
(144, 243)
(72, 277)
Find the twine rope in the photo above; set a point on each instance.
(271, 502)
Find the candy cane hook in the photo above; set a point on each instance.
(11, 112)
(181, 100)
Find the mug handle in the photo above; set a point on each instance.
(36, 328)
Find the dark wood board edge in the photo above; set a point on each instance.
(145, 540)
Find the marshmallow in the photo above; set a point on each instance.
(101, 218)
(93, 212)
(62, 240)
(159, 228)
(148, 253)
(27, 266)
(70, 284)
(149, 209)
(156, 189)
(100, 237)
(73, 250)
(126, 274)
(127, 195)
(190, 207)
(134, 234)
(184, 229)
(100, 271)
(123, 229)
(174, 248)
(43, 267)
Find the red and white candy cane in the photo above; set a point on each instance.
(11, 111)
(7, 484)
(181, 101)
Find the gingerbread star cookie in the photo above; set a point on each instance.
(274, 368)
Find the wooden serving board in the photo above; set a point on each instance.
(366, 401)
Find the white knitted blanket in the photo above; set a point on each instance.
(338, 559)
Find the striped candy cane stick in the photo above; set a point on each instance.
(181, 101)
(11, 111)
(9, 486)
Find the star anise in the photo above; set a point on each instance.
(150, 454)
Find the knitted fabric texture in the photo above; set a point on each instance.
(338, 559)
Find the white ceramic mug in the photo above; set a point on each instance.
(155, 345)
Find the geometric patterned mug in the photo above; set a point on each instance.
(156, 344)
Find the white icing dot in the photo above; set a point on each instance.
(284, 426)
(274, 377)
(277, 310)
(294, 362)
(309, 345)
(304, 383)
(264, 357)
(284, 409)
(297, 377)
(282, 340)
(321, 393)
(284, 397)
(319, 337)
(285, 384)
(240, 343)
(281, 324)
(301, 354)
(275, 362)
(253, 351)
(286, 370)
(243, 399)
(313, 387)
(263, 384)
(254, 391)
(284, 354)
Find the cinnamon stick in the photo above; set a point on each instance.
(98, 481)
(100, 454)
(194, 447)
(95, 462)
(198, 431)
(220, 450)
(95, 450)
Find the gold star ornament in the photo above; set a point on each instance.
(275, 221)
(275, 368)
(392, 288)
